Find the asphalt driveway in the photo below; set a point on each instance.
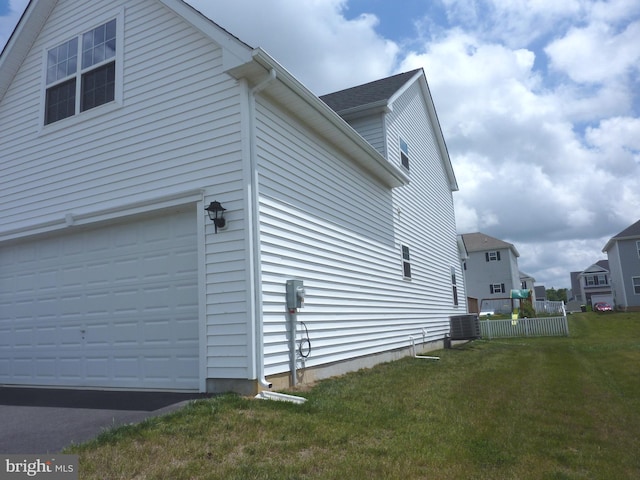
(37, 421)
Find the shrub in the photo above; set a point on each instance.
(527, 310)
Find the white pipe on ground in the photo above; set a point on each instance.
(413, 351)
(280, 397)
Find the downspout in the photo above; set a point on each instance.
(255, 234)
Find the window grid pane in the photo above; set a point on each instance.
(98, 87)
(404, 154)
(60, 101)
(99, 44)
(62, 61)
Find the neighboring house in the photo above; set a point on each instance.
(595, 283)
(112, 275)
(623, 252)
(576, 291)
(527, 283)
(491, 269)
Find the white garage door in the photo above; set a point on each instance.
(114, 306)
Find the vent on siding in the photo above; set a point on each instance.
(464, 327)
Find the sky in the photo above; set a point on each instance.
(538, 101)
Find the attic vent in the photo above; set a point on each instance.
(464, 327)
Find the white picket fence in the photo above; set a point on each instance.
(549, 306)
(525, 327)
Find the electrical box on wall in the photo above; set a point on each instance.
(295, 294)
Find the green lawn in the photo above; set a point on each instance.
(541, 408)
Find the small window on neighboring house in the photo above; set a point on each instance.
(454, 286)
(492, 256)
(406, 262)
(404, 154)
(497, 288)
(638, 247)
(636, 285)
(81, 73)
(595, 280)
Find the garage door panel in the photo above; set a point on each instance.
(108, 307)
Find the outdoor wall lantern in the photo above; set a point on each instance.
(216, 214)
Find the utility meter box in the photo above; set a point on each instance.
(295, 294)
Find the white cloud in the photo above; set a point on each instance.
(311, 38)
(512, 22)
(596, 53)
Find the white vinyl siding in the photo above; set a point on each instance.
(329, 224)
(178, 126)
(178, 129)
(424, 213)
(315, 229)
(372, 130)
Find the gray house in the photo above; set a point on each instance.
(623, 251)
(595, 285)
(491, 269)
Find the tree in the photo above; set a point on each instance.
(559, 295)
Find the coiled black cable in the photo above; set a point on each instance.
(306, 341)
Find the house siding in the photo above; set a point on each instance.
(333, 226)
(315, 229)
(178, 129)
(157, 140)
(630, 263)
(371, 128)
(424, 212)
(480, 274)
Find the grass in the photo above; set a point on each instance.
(541, 408)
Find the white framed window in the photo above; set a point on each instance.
(404, 154)
(638, 247)
(406, 262)
(83, 72)
(496, 288)
(492, 256)
(635, 281)
(594, 280)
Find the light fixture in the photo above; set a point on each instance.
(216, 214)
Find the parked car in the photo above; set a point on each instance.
(601, 307)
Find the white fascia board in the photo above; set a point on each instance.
(421, 78)
(363, 152)
(235, 51)
(612, 241)
(364, 110)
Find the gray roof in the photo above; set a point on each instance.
(525, 275)
(632, 231)
(629, 233)
(599, 266)
(480, 242)
(372, 93)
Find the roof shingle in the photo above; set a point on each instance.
(368, 94)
